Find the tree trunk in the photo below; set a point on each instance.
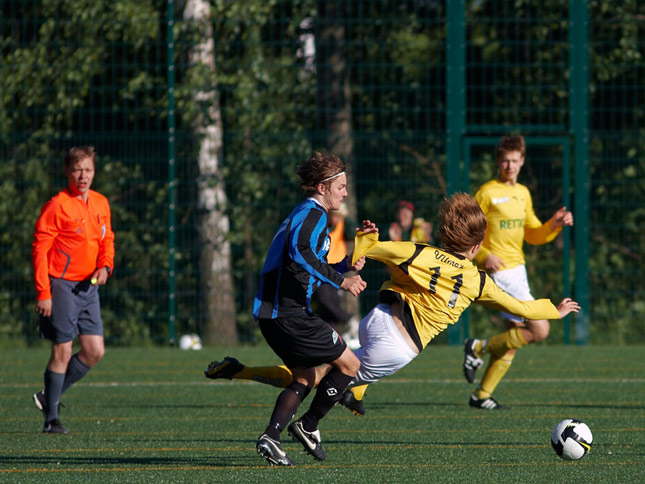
(334, 97)
(216, 282)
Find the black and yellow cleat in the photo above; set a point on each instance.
(350, 402)
(223, 369)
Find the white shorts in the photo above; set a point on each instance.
(515, 282)
(383, 349)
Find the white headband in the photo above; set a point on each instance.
(332, 177)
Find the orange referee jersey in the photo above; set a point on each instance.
(72, 239)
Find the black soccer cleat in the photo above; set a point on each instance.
(309, 440)
(40, 402)
(223, 369)
(486, 403)
(272, 451)
(54, 427)
(350, 402)
(471, 362)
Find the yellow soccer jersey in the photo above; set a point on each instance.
(438, 285)
(511, 221)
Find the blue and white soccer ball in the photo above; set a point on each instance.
(571, 439)
(190, 342)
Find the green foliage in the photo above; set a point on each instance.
(82, 71)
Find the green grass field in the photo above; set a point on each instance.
(149, 415)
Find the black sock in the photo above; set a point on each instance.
(329, 392)
(285, 408)
(53, 386)
(76, 370)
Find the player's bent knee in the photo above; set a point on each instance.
(93, 356)
(348, 363)
(539, 330)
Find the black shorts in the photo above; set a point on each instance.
(302, 341)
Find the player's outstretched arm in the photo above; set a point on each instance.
(561, 218)
(368, 227)
(354, 285)
(493, 263)
(567, 306)
(359, 264)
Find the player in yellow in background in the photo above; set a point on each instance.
(428, 290)
(508, 207)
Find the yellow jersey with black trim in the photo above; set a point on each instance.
(439, 285)
(511, 221)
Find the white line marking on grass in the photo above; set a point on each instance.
(390, 381)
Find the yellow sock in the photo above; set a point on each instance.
(359, 391)
(508, 340)
(277, 376)
(495, 371)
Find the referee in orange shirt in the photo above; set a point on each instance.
(72, 254)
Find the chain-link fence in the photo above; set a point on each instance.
(201, 110)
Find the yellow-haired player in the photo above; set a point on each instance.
(428, 290)
(511, 221)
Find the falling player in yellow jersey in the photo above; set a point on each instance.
(511, 221)
(428, 290)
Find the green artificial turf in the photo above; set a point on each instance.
(148, 415)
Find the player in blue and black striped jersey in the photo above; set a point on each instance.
(295, 266)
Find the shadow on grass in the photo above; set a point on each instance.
(242, 460)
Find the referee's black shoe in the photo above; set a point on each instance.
(54, 427)
(41, 403)
(309, 440)
(272, 451)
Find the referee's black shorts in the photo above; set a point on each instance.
(302, 341)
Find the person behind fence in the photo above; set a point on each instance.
(72, 255)
(408, 227)
(429, 289)
(508, 207)
(294, 267)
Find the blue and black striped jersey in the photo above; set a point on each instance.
(296, 264)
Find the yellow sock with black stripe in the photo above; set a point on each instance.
(359, 391)
(277, 376)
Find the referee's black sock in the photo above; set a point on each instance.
(285, 408)
(329, 392)
(53, 385)
(76, 370)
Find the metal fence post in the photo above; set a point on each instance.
(455, 104)
(579, 123)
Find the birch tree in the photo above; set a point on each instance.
(216, 282)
